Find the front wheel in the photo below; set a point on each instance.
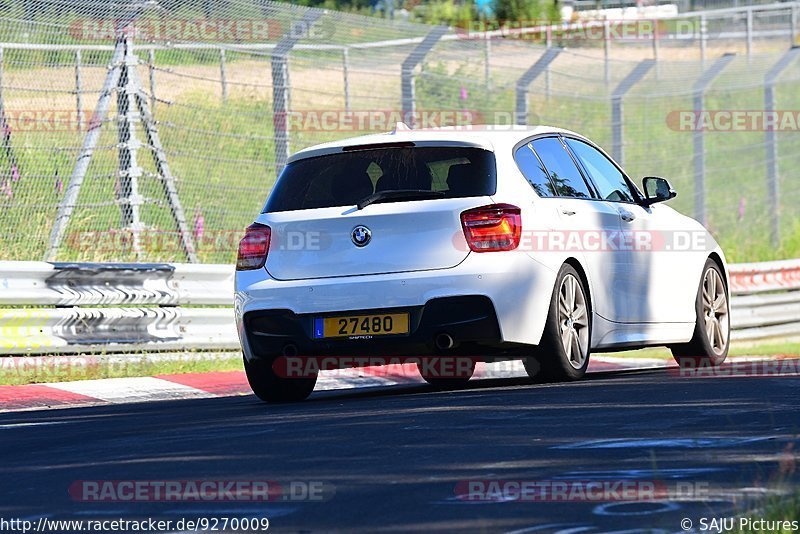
(270, 387)
(563, 353)
(709, 343)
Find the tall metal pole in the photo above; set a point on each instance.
(407, 71)
(68, 203)
(223, 77)
(487, 62)
(151, 68)
(524, 81)
(699, 90)
(128, 197)
(617, 123)
(771, 143)
(607, 51)
(346, 77)
(548, 43)
(79, 90)
(2, 102)
(280, 87)
(703, 37)
(70, 200)
(168, 181)
(656, 51)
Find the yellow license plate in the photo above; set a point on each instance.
(361, 325)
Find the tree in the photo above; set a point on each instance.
(530, 12)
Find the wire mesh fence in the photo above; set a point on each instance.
(153, 131)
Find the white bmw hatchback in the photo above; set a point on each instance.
(484, 245)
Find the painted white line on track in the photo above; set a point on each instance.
(44, 423)
(674, 443)
(117, 390)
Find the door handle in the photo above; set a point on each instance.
(567, 211)
(626, 215)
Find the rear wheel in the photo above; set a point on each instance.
(270, 387)
(709, 343)
(447, 372)
(563, 353)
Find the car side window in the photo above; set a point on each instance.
(608, 179)
(563, 172)
(532, 169)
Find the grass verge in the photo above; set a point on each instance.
(775, 517)
(37, 370)
(784, 347)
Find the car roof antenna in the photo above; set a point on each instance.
(400, 127)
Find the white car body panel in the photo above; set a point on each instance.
(316, 243)
(513, 285)
(638, 298)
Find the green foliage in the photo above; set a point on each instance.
(442, 88)
(446, 12)
(532, 11)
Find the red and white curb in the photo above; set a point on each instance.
(233, 383)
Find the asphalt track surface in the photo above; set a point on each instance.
(392, 458)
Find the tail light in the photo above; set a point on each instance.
(253, 247)
(492, 228)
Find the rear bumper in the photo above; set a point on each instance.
(471, 321)
(507, 298)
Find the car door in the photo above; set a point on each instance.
(648, 265)
(580, 220)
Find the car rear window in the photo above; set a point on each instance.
(343, 179)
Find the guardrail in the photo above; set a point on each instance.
(70, 308)
(766, 299)
(115, 307)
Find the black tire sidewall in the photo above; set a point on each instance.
(699, 351)
(553, 364)
(269, 387)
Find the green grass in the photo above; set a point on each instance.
(774, 509)
(90, 367)
(760, 348)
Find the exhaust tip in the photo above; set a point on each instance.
(445, 342)
(290, 350)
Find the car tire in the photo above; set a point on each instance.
(270, 387)
(563, 352)
(432, 369)
(712, 329)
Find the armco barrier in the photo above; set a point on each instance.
(766, 299)
(115, 307)
(70, 308)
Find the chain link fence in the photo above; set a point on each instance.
(154, 130)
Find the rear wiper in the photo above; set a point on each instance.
(398, 194)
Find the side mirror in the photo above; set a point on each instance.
(657, 190)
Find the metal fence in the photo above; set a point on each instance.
(153, 131)
(72, 308)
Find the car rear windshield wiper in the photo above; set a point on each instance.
(398, 194)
